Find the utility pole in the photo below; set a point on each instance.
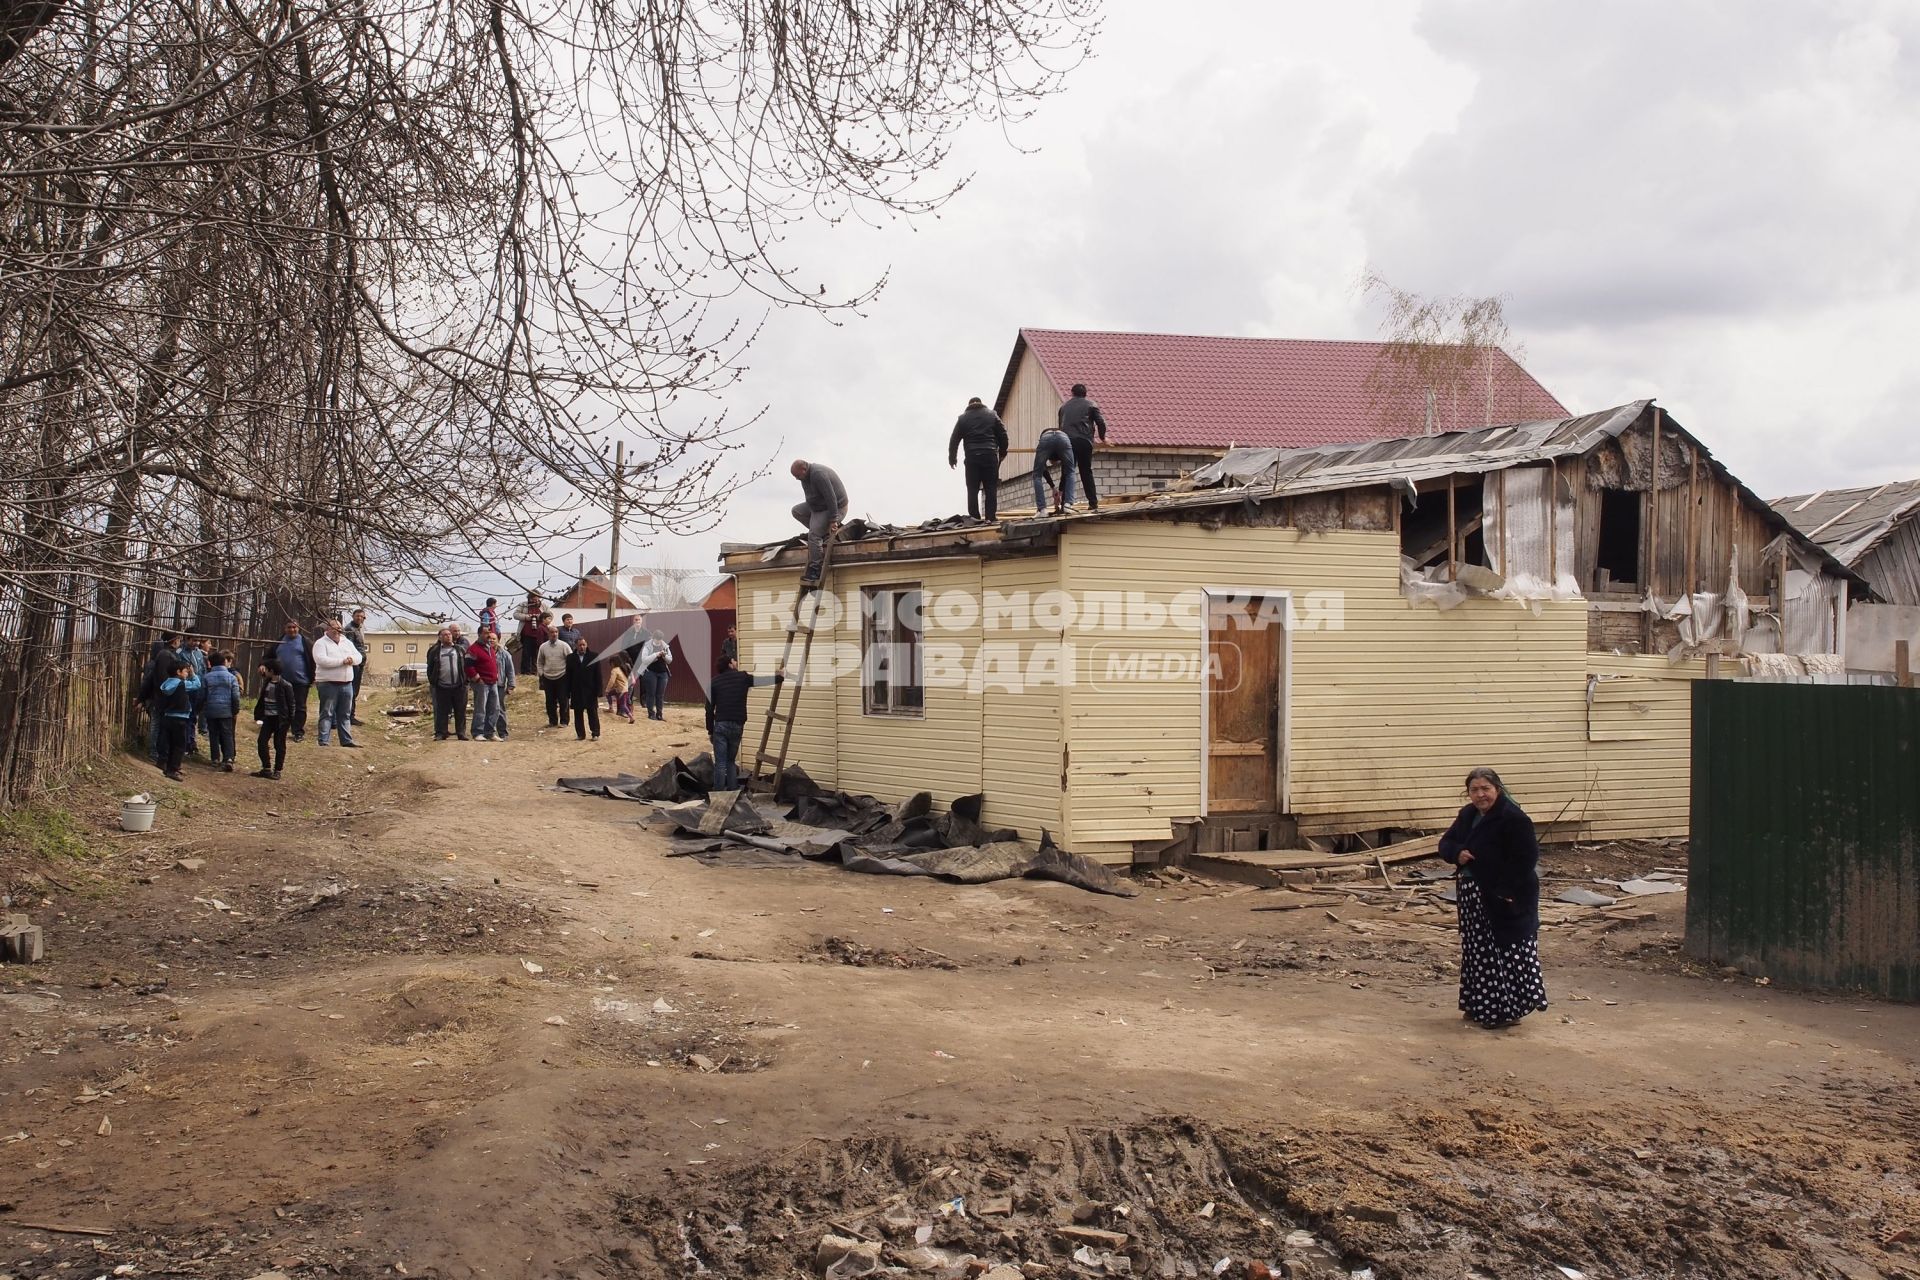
(613, 560)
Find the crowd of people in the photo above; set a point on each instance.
(193, 691)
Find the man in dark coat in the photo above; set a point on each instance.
(295, 652)
(447, 679)
(1080, 418)
(980, 430)
(727, 719)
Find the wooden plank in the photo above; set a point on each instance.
(1693, 480)
(1902, 664)
(1453, 538)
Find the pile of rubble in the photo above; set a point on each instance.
(857, 832)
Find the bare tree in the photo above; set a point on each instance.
(1450, 359)
(308, 295)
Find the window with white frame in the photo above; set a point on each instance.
(890, 628)
(387, 648)
(413, 648)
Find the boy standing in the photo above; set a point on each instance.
(176, 715)
(274, 714)
(220, 703)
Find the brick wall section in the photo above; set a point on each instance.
(1114, 471)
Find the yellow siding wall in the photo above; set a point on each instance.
(1032, 406)
(894, 756)
(1388, 710)
(1639, 784)
(765, 605)
(1389, 705)
(1020, 749)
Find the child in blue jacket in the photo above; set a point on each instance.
(176, 715)
(220, 703)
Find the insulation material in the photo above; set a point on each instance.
(1522, 520)
(1774, 666)
(1430, 586)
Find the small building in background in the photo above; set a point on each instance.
(643, 591)
(1875, 531)
(402, 642)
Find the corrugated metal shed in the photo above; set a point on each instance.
(1852, 522)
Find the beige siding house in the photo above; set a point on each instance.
(1272, 652)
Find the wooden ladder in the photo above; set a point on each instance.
(769, 764)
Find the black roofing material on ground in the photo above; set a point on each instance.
(856, 831)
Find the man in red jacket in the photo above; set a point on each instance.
(483, 673)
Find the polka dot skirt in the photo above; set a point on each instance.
(1499, 982)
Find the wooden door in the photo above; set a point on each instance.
(1243, 706)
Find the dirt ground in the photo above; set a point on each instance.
(412, 1012)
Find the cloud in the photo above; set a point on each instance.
(1640, 160)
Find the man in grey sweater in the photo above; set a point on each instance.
(824, 510)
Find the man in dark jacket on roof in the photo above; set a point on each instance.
(1079, 418)
(985, 438)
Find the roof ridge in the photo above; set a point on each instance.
(1238, 337)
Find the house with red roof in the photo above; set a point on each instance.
(1174, 402)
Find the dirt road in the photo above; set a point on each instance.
(415, 1013)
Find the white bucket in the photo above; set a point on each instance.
(137, 815)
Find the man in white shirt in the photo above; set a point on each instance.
(551, 667)
(334, 660)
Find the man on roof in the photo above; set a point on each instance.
(985, 438)
(1079, 417)
(823, 512)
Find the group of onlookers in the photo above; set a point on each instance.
(480, 674)
(189, 688)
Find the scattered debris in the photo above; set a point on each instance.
(21, 940)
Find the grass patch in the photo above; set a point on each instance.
(43, 831)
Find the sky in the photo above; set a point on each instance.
(1709, 202)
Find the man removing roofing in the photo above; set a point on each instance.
(1079, 417)
(823, 512)
(985, 438)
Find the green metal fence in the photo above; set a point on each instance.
(1805, 852)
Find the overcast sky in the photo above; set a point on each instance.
(1710, 203)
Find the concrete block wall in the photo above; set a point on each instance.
(1114, 471)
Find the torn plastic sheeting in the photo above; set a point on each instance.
(598, 786)
(731, 853)
(1242, 466)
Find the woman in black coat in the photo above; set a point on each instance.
(1493, 844)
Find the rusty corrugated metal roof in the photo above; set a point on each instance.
(1852, 522)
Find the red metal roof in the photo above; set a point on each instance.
(1180, 391)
